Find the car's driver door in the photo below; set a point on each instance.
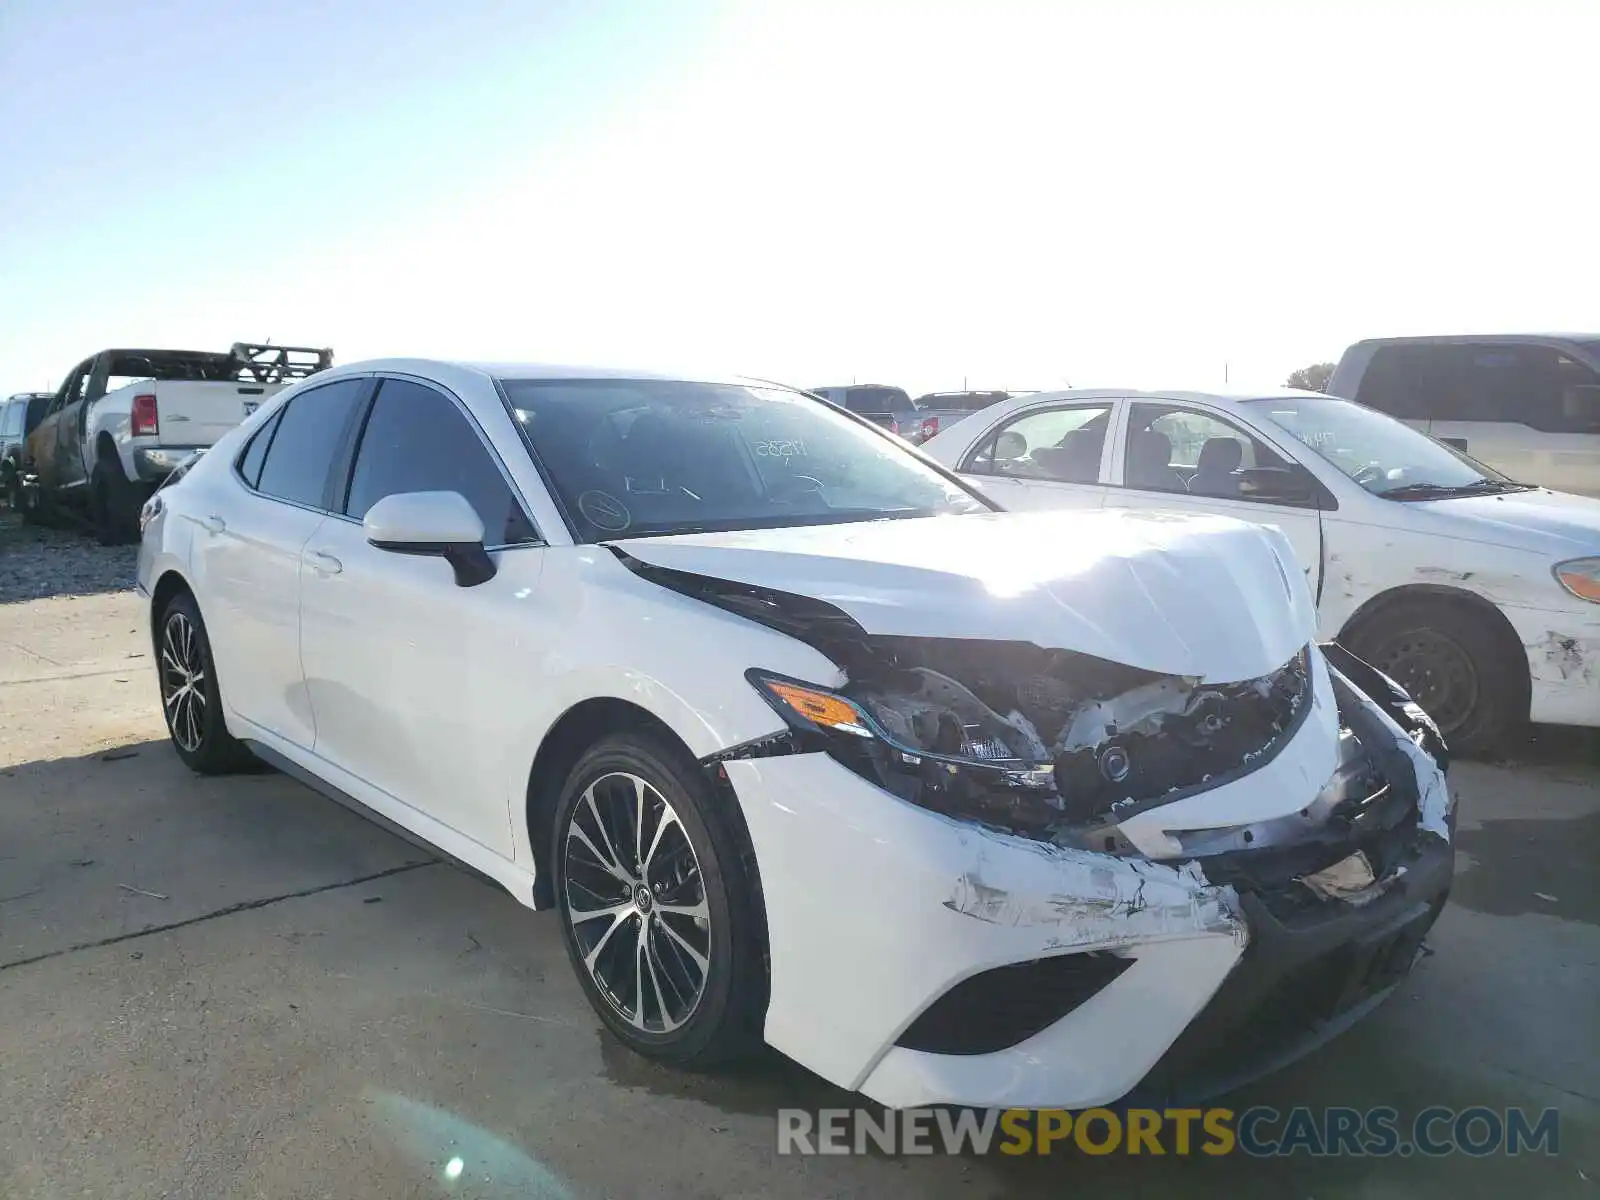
(400, 661)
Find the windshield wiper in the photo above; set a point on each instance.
(1429, 491)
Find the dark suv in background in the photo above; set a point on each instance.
(20, 414)
(890, 407)
(1526, 404)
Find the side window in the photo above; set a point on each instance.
(1184, 450)
(1408, 381)
(1059, 444)
(255, 452)
(417, 440)
(1580, 398)
(307, 438)
(10, 419)
(71, 390)
(1536, 386)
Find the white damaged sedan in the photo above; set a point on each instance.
(804, 741)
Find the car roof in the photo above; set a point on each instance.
(531, 370)
(1459, 339)
(1224, 399)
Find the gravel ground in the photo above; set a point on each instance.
(36, 563)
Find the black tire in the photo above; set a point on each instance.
(20, 501)
(114, 505)
(724, 1019)
(1458, 665)
(194, 714)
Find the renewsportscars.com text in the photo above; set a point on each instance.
(1260, 1132)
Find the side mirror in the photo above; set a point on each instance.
(439, 524)
(1274, 485)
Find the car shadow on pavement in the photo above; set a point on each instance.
(1549, 745)
(38, 562)
(100, 847)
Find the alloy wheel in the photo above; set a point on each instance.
(183, 682)
(636, 902)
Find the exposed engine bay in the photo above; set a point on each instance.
(1063, 747)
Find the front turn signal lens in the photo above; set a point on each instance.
(820, 708)
(1581, 577)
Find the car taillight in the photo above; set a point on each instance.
(145, 417)
(930, 426)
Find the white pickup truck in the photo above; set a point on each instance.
(125, 418)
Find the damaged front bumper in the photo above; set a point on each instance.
(924, 958)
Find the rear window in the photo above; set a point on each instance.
(308, 436)
(961, 401)
(877, 400)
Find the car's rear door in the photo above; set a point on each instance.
(1047, 456)
(1210, 462)
(247, 555)
(400, 661)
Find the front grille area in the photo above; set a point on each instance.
(999, 1008)
(1307, 974)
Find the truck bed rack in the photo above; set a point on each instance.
(261, 363)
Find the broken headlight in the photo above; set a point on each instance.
(1038, 751)
(930, 743)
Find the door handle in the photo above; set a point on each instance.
(324, 563)
(213, 524)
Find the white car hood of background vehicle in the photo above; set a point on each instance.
(1558, 523)
(1207, 597)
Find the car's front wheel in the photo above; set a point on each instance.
(1455, 663)
(191, 699)
(657, 904)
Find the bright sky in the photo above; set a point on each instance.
(1100, 192)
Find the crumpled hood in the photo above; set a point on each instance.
(1180, 594)
(1557, 523)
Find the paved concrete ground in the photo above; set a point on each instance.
(307, 1006)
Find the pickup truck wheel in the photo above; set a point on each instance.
(113, 505)
(31, 504)
(1456, 665)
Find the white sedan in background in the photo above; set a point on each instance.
(802, 739)
(1478, 594)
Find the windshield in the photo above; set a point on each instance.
(628, 458)
(1381, 454)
